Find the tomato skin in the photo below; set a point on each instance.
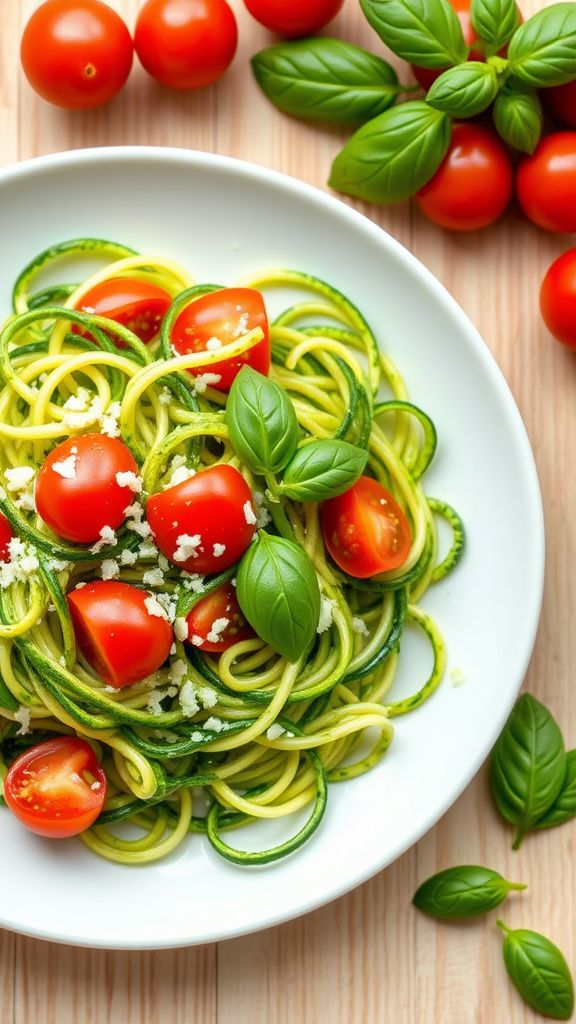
(365, 530)
(116, 633)
(293, 18)
(226, 315)
(560, 102)
(473, 185)
(6, 534)
(134, 303)
(186, 44)
(76, 53)
(77, 508)
(220, 604)
(47, 791)
(546, 183)
(210, 505)
(558, 299)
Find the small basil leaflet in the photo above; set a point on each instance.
(423, 32)
(517, 116)
(463, 891)
(322, 469)
(261, 422)
(464, 91)
(393, 155)
(278, 593)
(543, 50)
(326, 80)
(564, 807)
(538, 970)
(494, 21)
(528, 765)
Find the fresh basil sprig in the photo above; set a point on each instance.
(564, 807)
(423, 32)
(542, 52)
(463, 891)
(278, 592)
(538, 970)
(494, 22)
(517, 116)
(322, 469)
(261, 422)
(464, 91)
(326, 80)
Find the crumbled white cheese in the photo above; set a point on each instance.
(181, 628)
(22, 716)
(147, 549)
(77, 402)
(186, 547)
(179, 476)
(216, 630)
(95, 785)
(154, 608)
(168, 603)
(214, 724)
(107, 538)
(359, 626)
(154, 577)
(155, 698)
(207, 697)
(128, 557)
(188, 701)
(196, 640)
(22, 563)
(193, 581)
(109, 420)
(241, 327)
(263, 515)
(213, 344)
(275, 731)
(109, 569)
(203, 381)
(218, 550)
(135, 520)
(326, 614)
(79, 587)
(66, 468)
(177, 672)
(165, 396)
(19, 478)
(130, 480)
(249, 514)
(58, 565)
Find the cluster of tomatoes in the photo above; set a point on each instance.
(78, 53)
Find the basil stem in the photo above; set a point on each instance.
(538, 970)
(463, 891)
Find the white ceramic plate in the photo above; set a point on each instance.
(224, 218)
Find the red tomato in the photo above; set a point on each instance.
(224, 315)
(6, 534)
(219, 607)
(558, 298)
(473, 185)
(77, 492)
(56, 788)
(136, 304)
(560, 102)
(365, 530)
(117, 633)
(546, 183)
(186, 44)
(76, 53)
(202, 524)
(293, 18)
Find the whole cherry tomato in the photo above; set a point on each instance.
(473, 185)
(546, 183)
(293, 18)
(560, 102)
(186, 44)
(6, 534)
(56, 788)
(133, 302)
(365, 530)
(76, 53)
(216, 622)
(558, 298)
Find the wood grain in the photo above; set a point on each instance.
(368, 958)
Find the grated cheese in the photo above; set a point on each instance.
(130, 480)
(154, 577)
(187, 698)
(207, 697)
(214, 724)
(109, 569)
(359, 626)
(218, 550)
(216, 629)
(203, 381)
(181, 628)
(249, 514)
(186, 547)
(66, 468)
(275, 731)
(107, 538)
(154, 608)
(22, 716)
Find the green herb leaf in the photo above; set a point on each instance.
(494, 21)
(564, 807)
(517, 116)
(393, 155)
(278, 592)
(464, 91)
(543, 50)
(326, 80)
(463, 891)
(528, 765)
(322, 469)
(539, 971)
(423, 32)
(261, 422)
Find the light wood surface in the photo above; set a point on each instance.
(368, 958)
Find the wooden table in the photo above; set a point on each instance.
(368, 958)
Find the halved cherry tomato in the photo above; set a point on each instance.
(558, 299)
(138, 305)
(56, 788)
(546, 183)
(294, 18)
(6, 535)
(224, 316)
(204, 524)
(365, 530)
(186, 44)
(77, 492)
(119, 630)
(216, 622)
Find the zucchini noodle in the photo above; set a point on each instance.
(261, 737)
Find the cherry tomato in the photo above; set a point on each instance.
(6, 534)
(293, 18)
(546, 183)
(120, 631)
(204, 524)
(224, 316)
(77, 492)
(76, 53)
(186, 44)
(473, 185)
(56, 788)
(560, 102)
(136, 304)
(558, 298)
(365, 530)
(221, 606)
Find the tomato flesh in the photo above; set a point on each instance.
(293, 18)
(56, 788)
(138, 305)
(217, 623)
(365, 530)
(558, 299)
(186, 44)
(6, 535)
(546, 183)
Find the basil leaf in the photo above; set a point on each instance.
(326, 80)
(423, 32)
(393, 155)
(528, 765)
(517, 116)
(543, 50)
(322, 469)
(494, 21)
(261, 422)
(539, 971)
(564, 807)
(278, 593)
(464, 91)
(463, 891)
